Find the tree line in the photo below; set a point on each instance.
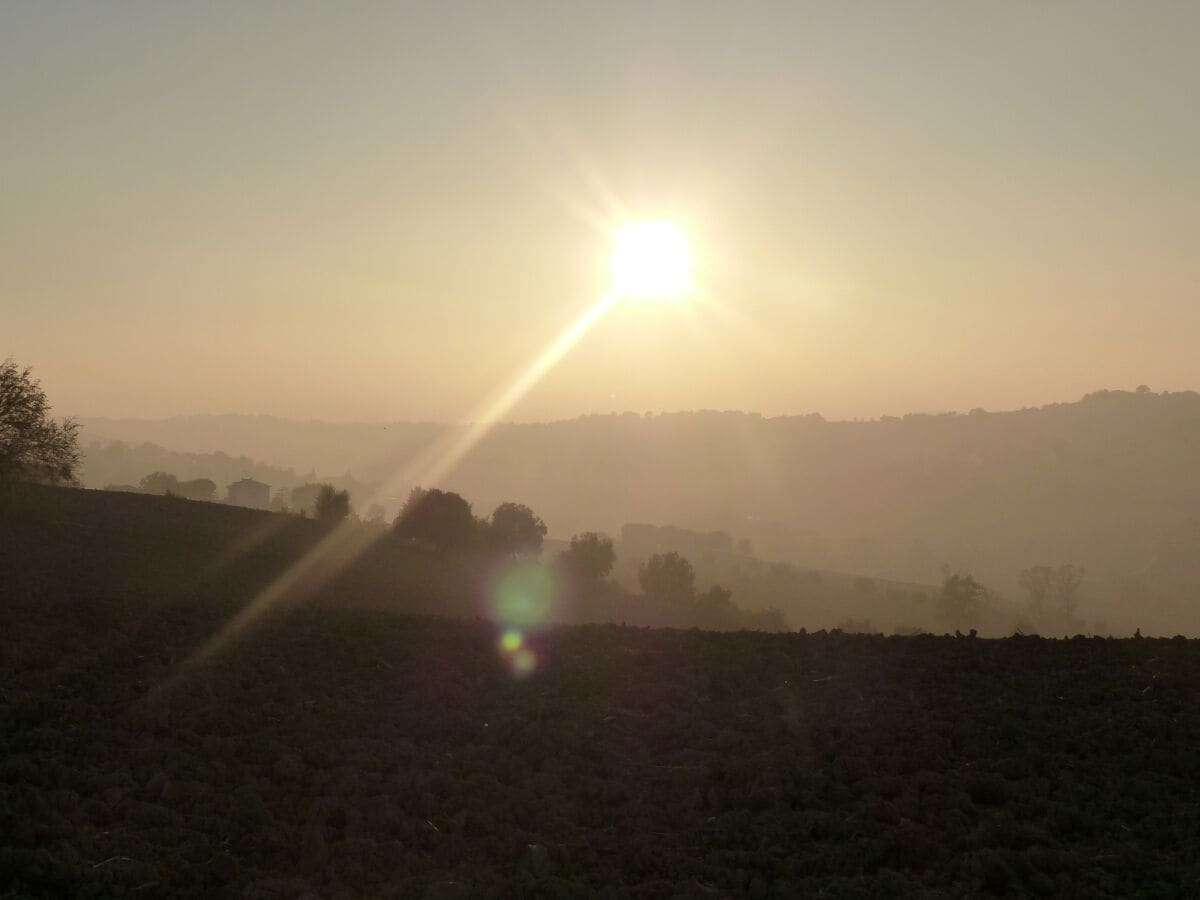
(35, 446)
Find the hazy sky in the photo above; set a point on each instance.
(384, 211)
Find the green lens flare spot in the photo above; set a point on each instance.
(524, 597)
(511, 640)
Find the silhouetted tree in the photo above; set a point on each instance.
(1036, 581)
(441, 519)
(716, 607)
(1052, 591)
(160, 483)
(669, 577)
(589, 559)
(515, 531)
(332, 505)
(961, 599)
(32, 445)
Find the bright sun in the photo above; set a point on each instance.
(651, 260)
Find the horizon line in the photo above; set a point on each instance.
(646, 414)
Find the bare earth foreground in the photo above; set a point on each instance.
(352, 752)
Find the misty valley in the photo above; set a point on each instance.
(835, 524)
(262, 692)
(510, 450)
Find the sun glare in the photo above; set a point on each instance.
(651, 260)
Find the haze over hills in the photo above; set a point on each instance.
(115, 464)
(1111, 483)
(527, 468)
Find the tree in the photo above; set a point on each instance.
(441, 519)
(1037, 582)
(159, 483)
(331, 505)
(961, 599)
(515, 530)
(32, 445)
(589, 559)
(715, 608)
(718, 597)
(669, 577)
(1053, 591)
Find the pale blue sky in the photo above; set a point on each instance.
(382, 211)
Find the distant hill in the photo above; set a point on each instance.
(115, 464)
(1110, 483)
(329, 448)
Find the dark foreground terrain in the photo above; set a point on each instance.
(340, 752)
(361, 754)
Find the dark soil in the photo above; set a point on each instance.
(338, 752)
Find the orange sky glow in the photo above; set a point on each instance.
(372, 212)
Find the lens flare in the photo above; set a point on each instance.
(649, 260)
(511, 640)
(347, 541)
(521, 660)
(523, 663)
(522, 603)
(524, 597)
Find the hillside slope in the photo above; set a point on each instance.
(348, 752)
(148, 551)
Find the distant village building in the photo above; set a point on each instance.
(249, 492)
